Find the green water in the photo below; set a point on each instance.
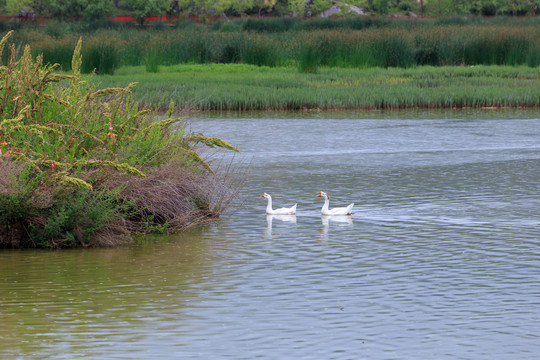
(440, 260)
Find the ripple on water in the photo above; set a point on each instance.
(439, 262)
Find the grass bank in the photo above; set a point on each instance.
(81, 166)
(219, 87)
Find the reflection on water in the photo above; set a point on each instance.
(440, 260)
(339, 220)
(284, 218)
(88, 302)
(343, 219)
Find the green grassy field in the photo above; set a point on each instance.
(221, 87)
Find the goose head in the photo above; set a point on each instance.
(322, 194)
(266, 196)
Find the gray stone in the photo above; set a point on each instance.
(333, 10)
(356, 10)
(348, 8)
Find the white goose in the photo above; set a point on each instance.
(281, 211)
(335, 211)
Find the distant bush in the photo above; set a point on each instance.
(309, 59)
(405, 6)
(100, 56)
(269, 24)
(231, 51)
(259, 52)
(227, 26)
(152, 61)
(533, 56)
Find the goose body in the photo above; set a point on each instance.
(335, 211)
(280, 211)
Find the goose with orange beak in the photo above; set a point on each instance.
(280, 211)
(335, 211)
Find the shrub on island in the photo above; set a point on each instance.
(81, 167)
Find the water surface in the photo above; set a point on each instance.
(440, 260)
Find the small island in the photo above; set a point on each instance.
(86, 167)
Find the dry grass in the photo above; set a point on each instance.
(172, 198)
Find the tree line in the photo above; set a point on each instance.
(92, 10)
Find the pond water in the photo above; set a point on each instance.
(440, 261)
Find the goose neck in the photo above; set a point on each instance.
(269, 205)
(326, 203)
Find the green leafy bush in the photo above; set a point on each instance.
(75, 218)
(405, 6)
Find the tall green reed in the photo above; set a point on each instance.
(381, 42)
(100, 55)
(309, 59)
(152, 61)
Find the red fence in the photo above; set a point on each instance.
(126, 18)
(44, 19)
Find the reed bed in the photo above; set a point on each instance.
(400, 44)
(220, 87)
(366, 22)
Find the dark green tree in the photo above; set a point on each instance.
(74, 9)
(140, 9)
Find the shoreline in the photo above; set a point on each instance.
(163, 110)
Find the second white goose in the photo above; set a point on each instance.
(335, 211)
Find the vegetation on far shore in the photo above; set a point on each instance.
(359, 42)
(81, 166)
(237, 87)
